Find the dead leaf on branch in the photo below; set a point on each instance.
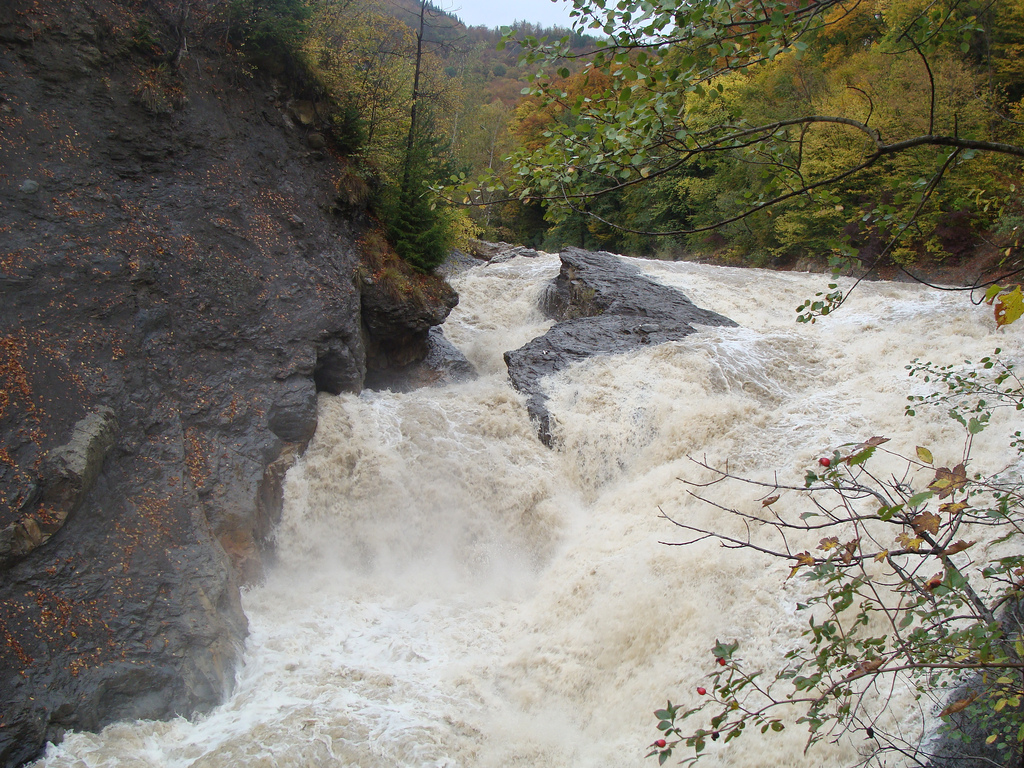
(828, 543)
(1009, 307)
(926, 522)
(769, 501)
(850, 550)
(863, 451)
(803, 558)
(865, 667)
(948, 481)
(958, 706)
(909, 542)
(960, 546)
(953, 507)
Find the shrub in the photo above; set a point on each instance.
(901, 593)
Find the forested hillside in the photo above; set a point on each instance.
(414, 98)
(639, 137)
(886, 131)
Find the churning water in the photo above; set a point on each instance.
(451, 593)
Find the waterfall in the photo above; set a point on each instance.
(450, 593)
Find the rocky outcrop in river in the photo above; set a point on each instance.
(178, 281)
(604, 306)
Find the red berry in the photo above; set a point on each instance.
(721, 661)
(659, 743)
(825, 462)
(702, 691)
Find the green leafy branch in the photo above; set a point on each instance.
(900, 591)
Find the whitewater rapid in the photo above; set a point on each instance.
(451, 593)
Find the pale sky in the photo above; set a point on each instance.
(500, 13)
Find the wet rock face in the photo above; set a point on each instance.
(68, 474)
(174, 293)
(443, 364)
(400, 351)
(604, 306)
(960, 740)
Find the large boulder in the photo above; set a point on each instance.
(398, 314)
(604, 306)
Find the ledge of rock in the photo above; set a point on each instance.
(604, 306)
(68, 474)
(442, 364)
(401, 351)
(497, 253)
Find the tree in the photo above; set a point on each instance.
(361, 54)
(272, 28)
(846, 155)
(392, 103)
(419, 228)
(899, 598)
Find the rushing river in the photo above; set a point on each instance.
(451, 593)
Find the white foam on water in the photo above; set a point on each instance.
(451, 593)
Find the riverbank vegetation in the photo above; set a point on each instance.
(889, 133)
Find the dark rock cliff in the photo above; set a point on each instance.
(177, 283)
(604, 306)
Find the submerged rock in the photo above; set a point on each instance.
(604, 306)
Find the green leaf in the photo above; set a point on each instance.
(919, 498)
(992, 292)
(924, 455)
(861, 457)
